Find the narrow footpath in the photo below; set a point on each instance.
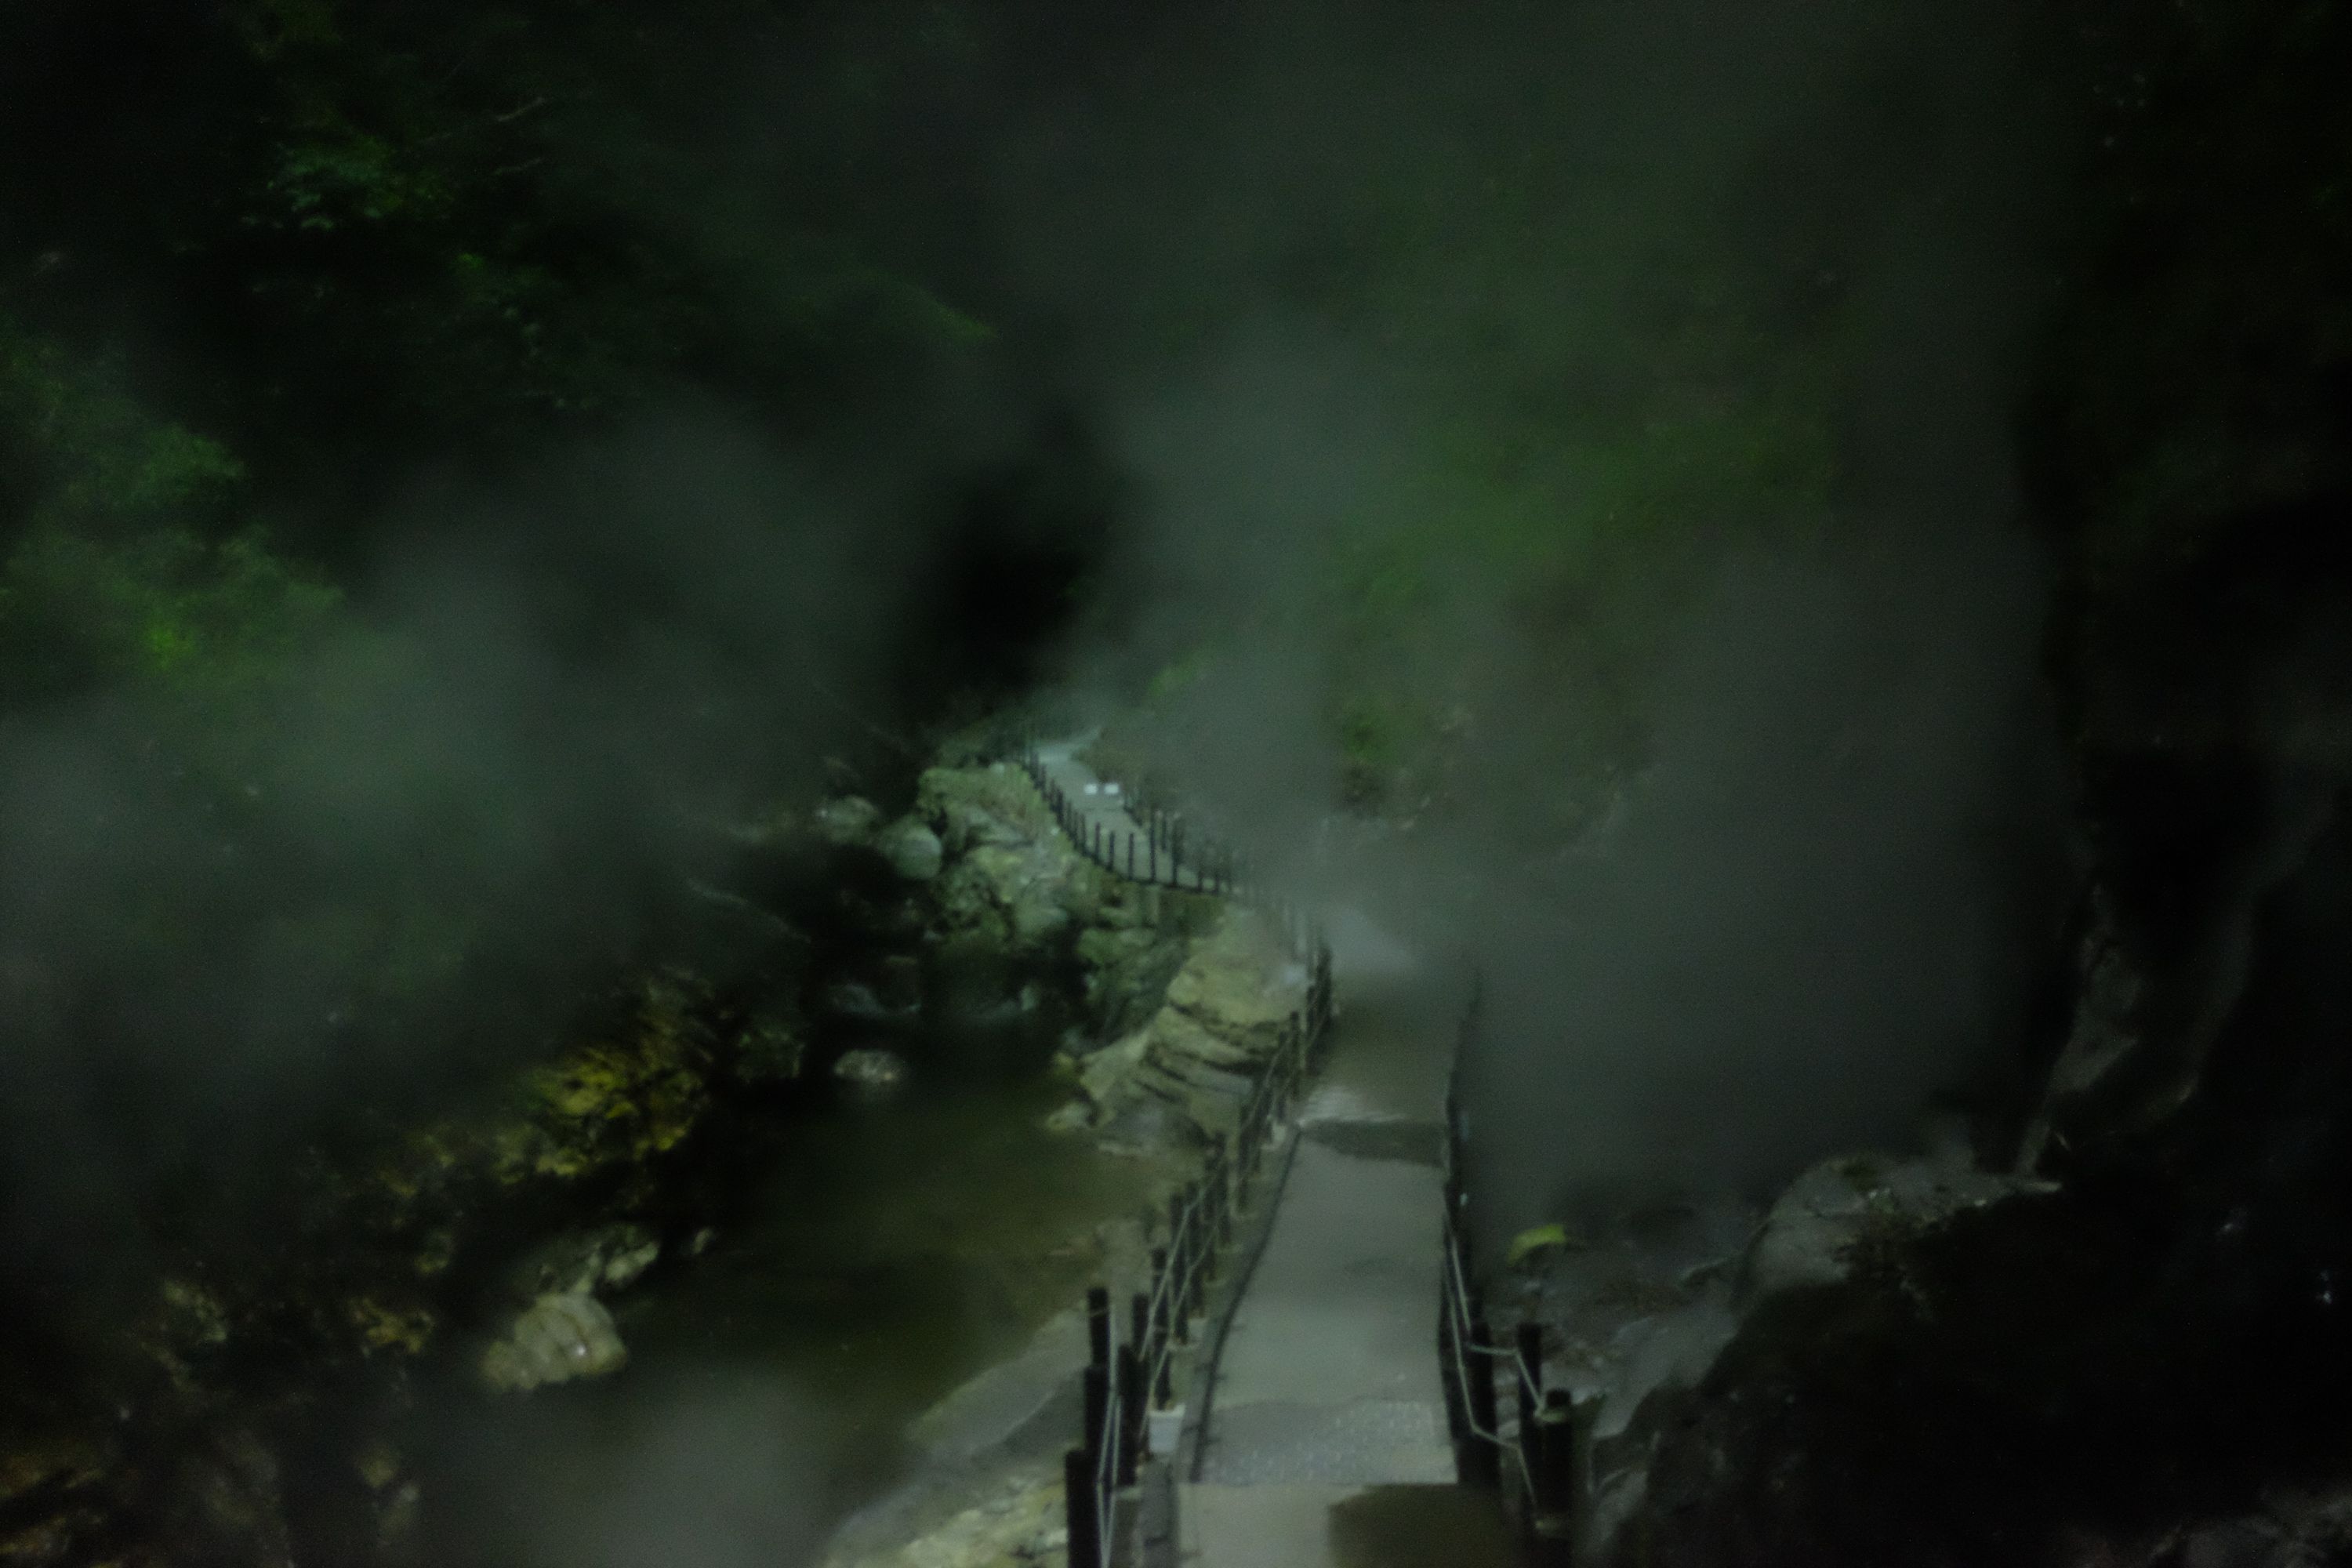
(1325, 1440)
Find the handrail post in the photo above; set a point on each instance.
(1163, 1391)
(1138, 1323)
(1451, 1363)
(1094, 1416)
(1530, 1374)
(1180, 1285)
(1130, 1415)
(1221, 1232)
(1527, 1377)
(1552, 1464)
(1486, 1466)
(1078, 1510)
(1099, 1326)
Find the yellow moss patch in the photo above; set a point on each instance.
(383, 1328)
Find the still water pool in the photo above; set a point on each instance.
(882, 1254)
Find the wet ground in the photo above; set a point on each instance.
(1325, 1443)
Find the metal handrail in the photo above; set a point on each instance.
(1215, 868)
(1541, 1439)
(1457, 1304)
(1200, 1222)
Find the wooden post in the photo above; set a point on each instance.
(1078, 1509)
(1130, 857)
(1139, 1324)
(1099, 1326)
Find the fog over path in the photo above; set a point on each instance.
(1327, 1411)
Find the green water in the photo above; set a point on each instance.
(898, 1247)
(882, 1254)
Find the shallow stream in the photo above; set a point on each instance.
(886, 1251)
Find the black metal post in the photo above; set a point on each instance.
(1162, 1329)
(1130, 1415)
(1094, 1389)
(1486, 1466)
(1220, 1204)
(1203, 1254)
(1078, 1508)
(1552, 1462)
(1180, 1285)
(1099, 1326)
(1529, 1380)
(1450, 1369)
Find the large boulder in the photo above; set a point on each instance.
(559, 1337)
(912, 849)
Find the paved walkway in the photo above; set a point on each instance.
(1326, 1440)
(1100, 805)
(1324, 1444)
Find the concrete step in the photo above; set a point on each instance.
(1307, 1526)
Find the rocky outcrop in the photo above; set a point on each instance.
(2105, 1348)
(1222, 1018)
(602, 1257)
(561, 1336)
(1014, 905)
(1020, 1526)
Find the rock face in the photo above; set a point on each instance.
(1013, 906)
(561, 1336)
(2106, 1345)
(1018, 1527)
(1222, 1018)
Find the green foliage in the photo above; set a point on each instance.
(103, 454)
(165, 611)
(348, 177)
